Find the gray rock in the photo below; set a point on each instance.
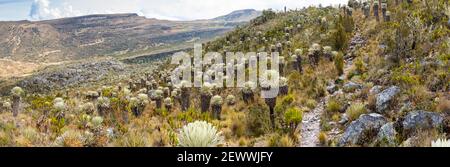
(362, 130)
(386, 135)
(351, 87)
(344, 107)
(384, 98)
(332, 88)
(344, 119)
(417, 120)
(110, 133)
(375, 90)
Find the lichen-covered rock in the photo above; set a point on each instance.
(351, 87)
(420, 120)
(386, 135)
(385, 98)
(375, 89)
(362, 130)
(332, 88)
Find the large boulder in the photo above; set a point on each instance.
(362, 130)
(421, 120)
(385, 98)
(386, 136)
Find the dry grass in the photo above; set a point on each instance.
(16, 68)
(355, 110)
(443, 105)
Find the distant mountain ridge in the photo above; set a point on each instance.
(105, 34)
(239, 16)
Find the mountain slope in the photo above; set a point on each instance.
(239, 16)
(80, 37)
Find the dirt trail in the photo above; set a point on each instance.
(310, 126)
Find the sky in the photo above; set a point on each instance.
(12, 10)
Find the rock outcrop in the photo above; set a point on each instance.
(421, 120)
(362, 130)
(385, 98)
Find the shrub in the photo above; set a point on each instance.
(97, 122)
(339, 63)
(311, 104)
(293, 117)
(276, 140)
(231, 100)
(258, 120)
(359, 66)
(168, 103)
(443, 106)
(59, 105)
(247, 92)
(199, 134)
(420, 97)
(333, 106)
(17, 91)
(284, 89)
(17, 94)
(157, 96)
(294, 80)
(88, 108)
(30, 134)
(286, 141)
(216, 103)
(339, 37)
(323, 138)
(6, 106)
(238, 124)
(132, 139)
(355, 110)
(243, 142)
(103, 104)
(205, 97)
(288, 100)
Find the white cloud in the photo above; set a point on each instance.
(41, 10)
(161, 9)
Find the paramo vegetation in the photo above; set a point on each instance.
(376, 72)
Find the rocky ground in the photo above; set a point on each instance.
(310, 127)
